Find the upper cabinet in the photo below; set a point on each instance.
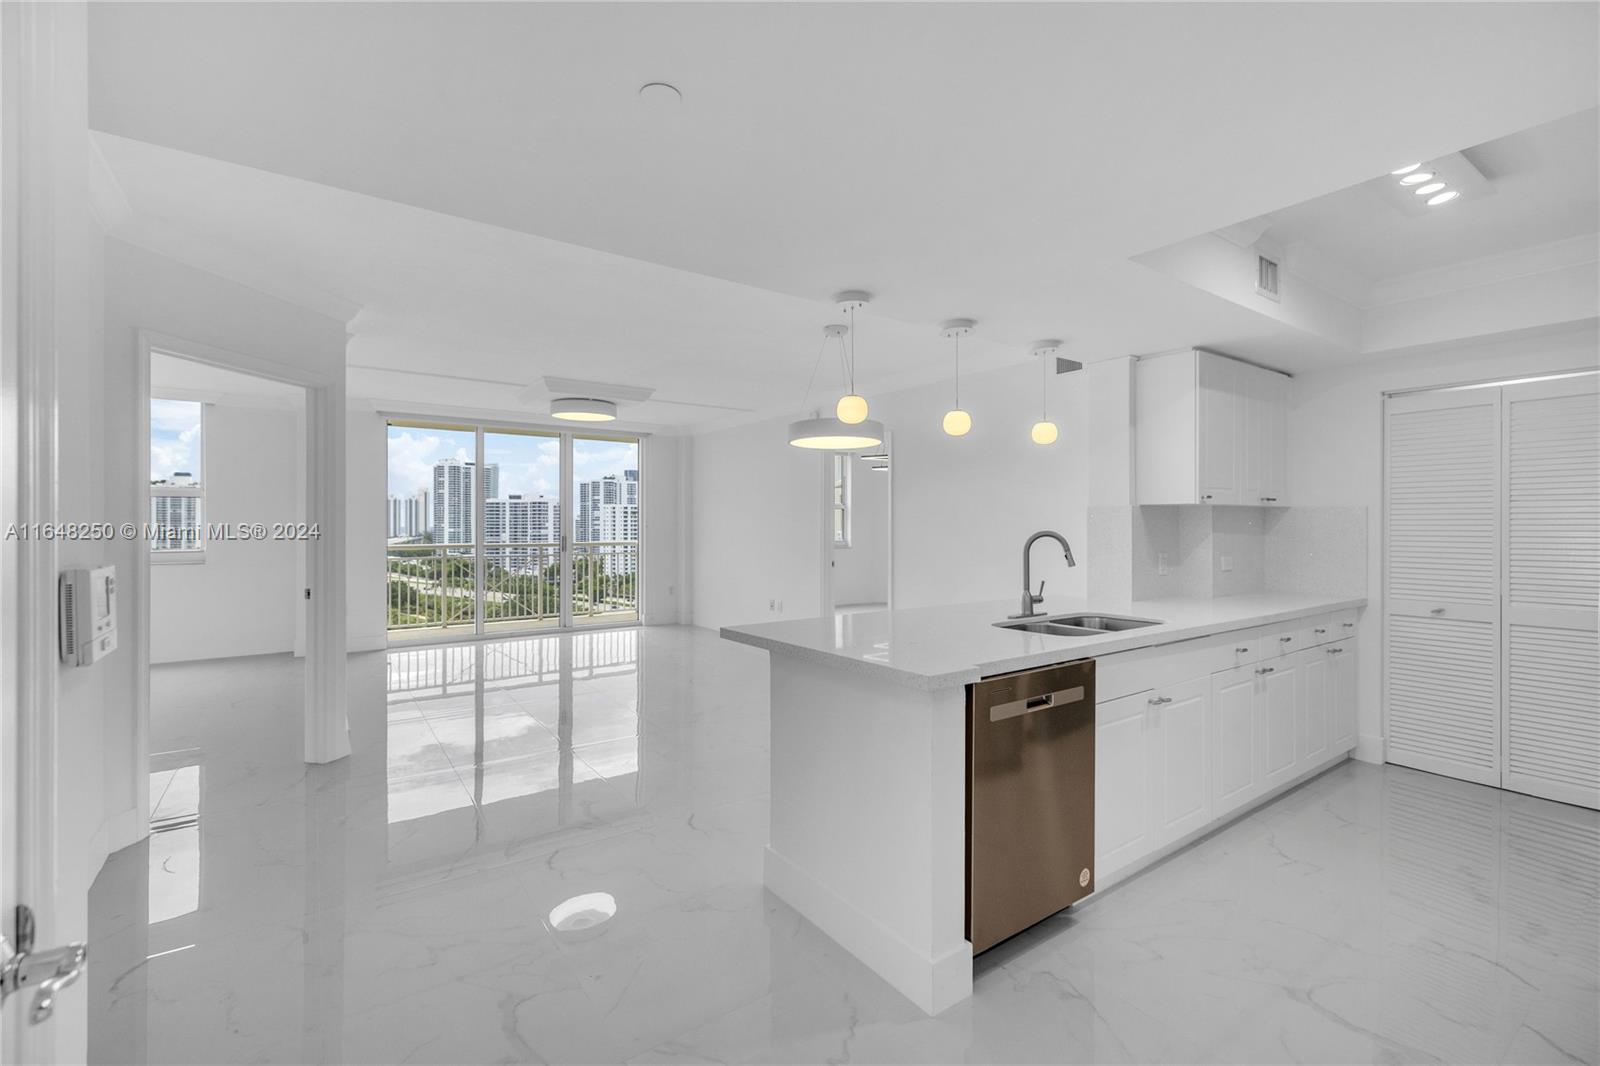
(1209, 429)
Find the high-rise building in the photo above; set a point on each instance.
(408, 516)
(518, 520)
(450, 519)
(608, 510)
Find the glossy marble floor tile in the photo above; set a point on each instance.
(549, 849)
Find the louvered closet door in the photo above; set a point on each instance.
(1552, 719)
(1442, 572)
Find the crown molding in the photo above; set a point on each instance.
(1488, 270)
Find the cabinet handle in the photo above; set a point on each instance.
(1284, 640)
(1241, 651)
(1348, 625)
(1437, 610)
(1156, 701)
(1267, 670)
(1335, 651)
(1319, 632)
(1206, 497)
(1269, 499)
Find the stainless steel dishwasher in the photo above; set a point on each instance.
(1030, 798)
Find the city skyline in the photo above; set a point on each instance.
(529, 464)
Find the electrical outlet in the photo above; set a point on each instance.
(1225, 563)
(1161, 564)
(772, 605)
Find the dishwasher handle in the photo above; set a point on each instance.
(1059, 698)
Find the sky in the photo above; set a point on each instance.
(529, 466)
(174, 438)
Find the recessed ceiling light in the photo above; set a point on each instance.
(1408, 168)
(1428, 189)
(660, 94)
(1417, 178)
(580, 409)
(1443, 198)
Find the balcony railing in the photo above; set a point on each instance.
(433, 586)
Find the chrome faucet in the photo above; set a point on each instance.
(1031, 599)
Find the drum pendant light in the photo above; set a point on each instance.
(833, 434)
(957, 422)
(1044, 431)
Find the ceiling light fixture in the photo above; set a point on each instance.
(1443, 198)
(1408, 168)
(1428, 189)
(833, 434)
(1417, 178)
(1044, 431)
(957, 422)
(583, 409)
(851, 408)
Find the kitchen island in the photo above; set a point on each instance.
(869, 762)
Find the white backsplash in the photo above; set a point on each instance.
(1152, 553)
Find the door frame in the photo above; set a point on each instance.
(326, 723)
(825, 561)
(29, 677)
(565, 434)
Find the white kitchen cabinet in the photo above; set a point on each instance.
(1343, 697)
(1123, 824)
(1233, 733)
(1312, 674)
(1209, 430)
(1150, 774)
(1277, 723)
(1181, 795)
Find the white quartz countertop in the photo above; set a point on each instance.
(944, 647)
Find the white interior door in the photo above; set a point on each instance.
(1551, 737)
(1442, 552)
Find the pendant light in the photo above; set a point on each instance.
(957, 422)
(1044, 431)
(833, 434)
(851, 408)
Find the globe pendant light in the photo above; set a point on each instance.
(833, 434)
(957, 422)
(851, 408)
(1044, 431)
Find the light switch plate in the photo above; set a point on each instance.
(1225, 563)
(1161, 564)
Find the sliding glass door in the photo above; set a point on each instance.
(496, 529)
(605, 533)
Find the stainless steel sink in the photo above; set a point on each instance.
(1077, 625)
(1105, 623)
(1053, 628)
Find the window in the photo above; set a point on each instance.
(841, 500)
(177, 480)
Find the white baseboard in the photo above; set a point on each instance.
(931, 982)
(1369, 748)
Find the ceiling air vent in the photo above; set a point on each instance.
(1266, 277)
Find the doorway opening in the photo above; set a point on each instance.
(856, 532)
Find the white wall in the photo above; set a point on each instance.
(962, 507)
(148, 291)
(366, 488)
(1336, 449)
(861, 571)
(757, 527)
(242, 600)
(665, 477)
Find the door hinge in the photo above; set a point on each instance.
(48, 972)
